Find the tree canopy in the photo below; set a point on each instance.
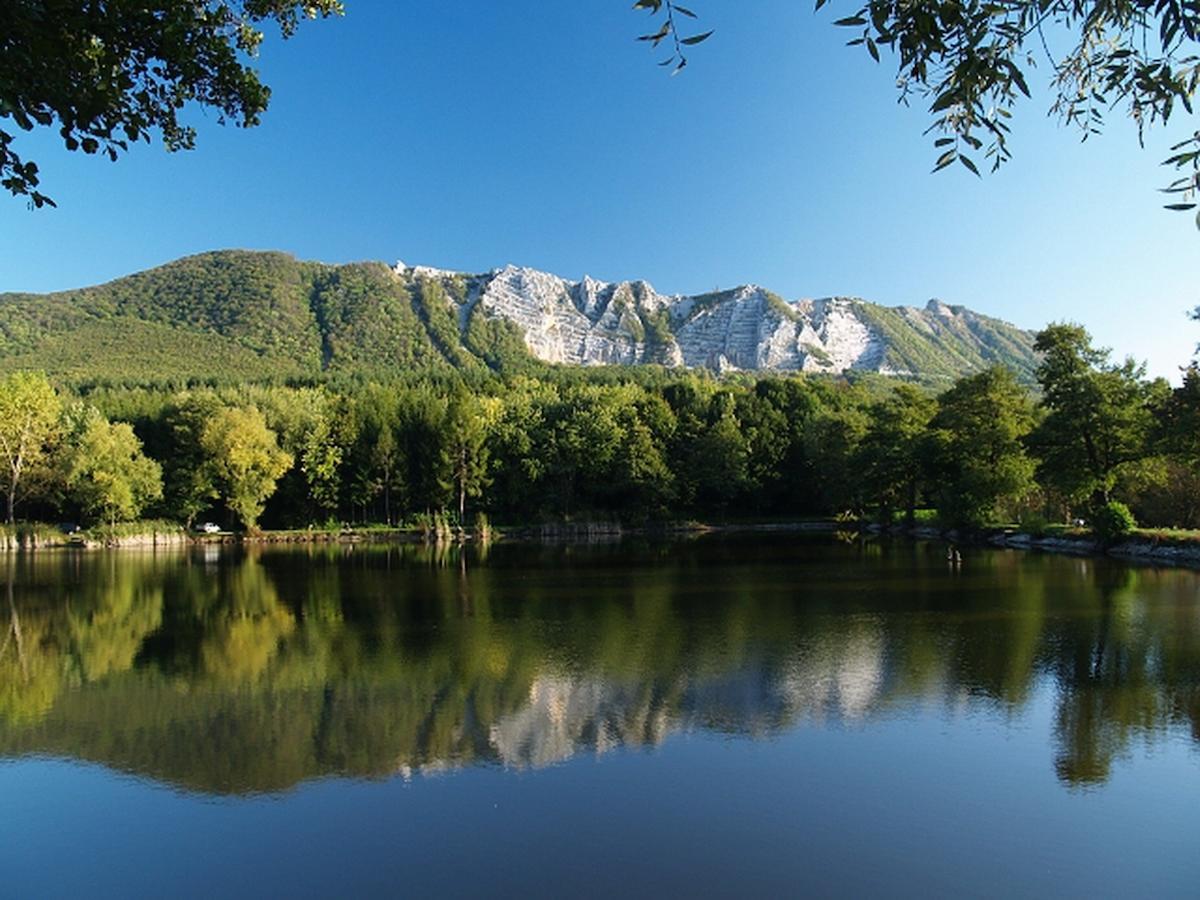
(633, 444)
(106, 74)
(1099, 415)
(107, 471)
(29, 413)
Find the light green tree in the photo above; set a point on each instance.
(107, 472)
(308, 426)
(246, 460)
(465, 449)
(29, 426)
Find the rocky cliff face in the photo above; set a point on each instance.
(591, 322)
(233, 314)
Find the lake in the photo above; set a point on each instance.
(726, 715)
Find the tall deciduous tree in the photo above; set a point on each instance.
(465, 449)
(1098, 415)
(29, 424)
(890, 455)
(720, 456)
(108, 473)
(246, 460)
(373, 463)
(976, 451)
(190, 486)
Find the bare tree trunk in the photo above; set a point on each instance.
(462, 485)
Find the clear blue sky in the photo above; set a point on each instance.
(473, 134)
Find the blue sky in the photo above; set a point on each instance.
(473, 134)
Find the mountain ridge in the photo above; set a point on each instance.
(248, 314)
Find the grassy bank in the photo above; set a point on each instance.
(150, 532)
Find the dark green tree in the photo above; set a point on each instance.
(976, 452)
(831, 441)
(372, 467)
(890, 455)
(720, 457)
(189, 485)
(1098, 416)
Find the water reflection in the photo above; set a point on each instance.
(253, 671)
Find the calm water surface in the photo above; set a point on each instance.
(770, 715)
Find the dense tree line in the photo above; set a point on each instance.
(1093, 438)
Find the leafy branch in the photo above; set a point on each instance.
(969, 59)
(107, 74)
(669, 29)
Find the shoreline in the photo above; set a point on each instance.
(1178, 552)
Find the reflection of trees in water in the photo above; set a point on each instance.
(1130, 671)
(71, 636)
(257, 670)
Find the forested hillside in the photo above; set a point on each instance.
(228, 317)
(233, 316)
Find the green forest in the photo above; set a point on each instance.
(1094, 439)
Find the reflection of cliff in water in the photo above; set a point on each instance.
(566, 715)
(256, 672)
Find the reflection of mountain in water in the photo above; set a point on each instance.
(254, 673)
(567, 715)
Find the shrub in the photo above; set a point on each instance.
(1033, 524)
(1113, 520)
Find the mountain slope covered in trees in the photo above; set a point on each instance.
(242, 315)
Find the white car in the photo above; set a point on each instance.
(210, 528)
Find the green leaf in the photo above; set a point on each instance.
(696, 38)
(944, 101)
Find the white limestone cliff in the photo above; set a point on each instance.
(592, 322)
